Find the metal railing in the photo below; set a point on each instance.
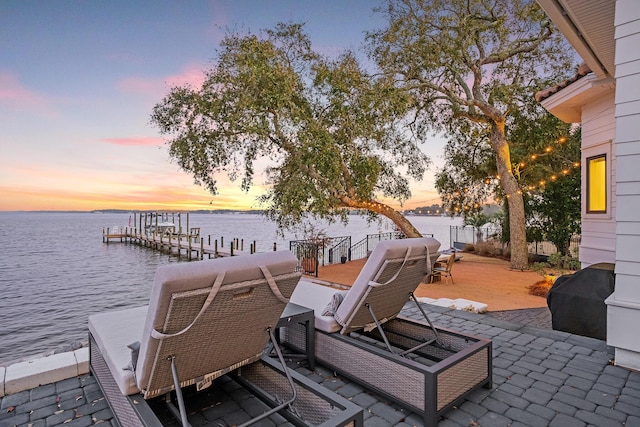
(548, 248)
(313, 253)
(461, 236)
(363, 248)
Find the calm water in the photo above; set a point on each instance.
(55, 271)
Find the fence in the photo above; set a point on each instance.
(548, 248)
(313, 253)
(331, 250)
(461, 236)
(363, 248)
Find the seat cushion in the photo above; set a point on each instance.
(316, 297)
(113, 332)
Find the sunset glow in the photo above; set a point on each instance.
(76, 96)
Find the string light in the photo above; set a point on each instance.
(552, 176)
(541, 184)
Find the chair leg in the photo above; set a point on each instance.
(181, 413)
(291, 383)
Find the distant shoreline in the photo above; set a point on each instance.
(198, 211)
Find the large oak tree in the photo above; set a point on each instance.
(472, 60)
(333, 138)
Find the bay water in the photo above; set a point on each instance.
(55, 270)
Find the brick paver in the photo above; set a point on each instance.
(541, 378)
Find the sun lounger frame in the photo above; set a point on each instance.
(429, 386)
(264, 379)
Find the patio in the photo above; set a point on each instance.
(540, 378)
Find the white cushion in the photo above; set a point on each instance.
(113, 332)
(316, 297)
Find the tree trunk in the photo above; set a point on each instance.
(509, 184)
(403, 224)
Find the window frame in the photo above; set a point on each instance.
(588, 186)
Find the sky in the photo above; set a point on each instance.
(79, 79)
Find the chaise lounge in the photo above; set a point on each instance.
(207, 319)
(360, 334)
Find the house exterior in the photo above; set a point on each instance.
(606, 100)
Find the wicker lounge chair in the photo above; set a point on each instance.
(206, 319)
(425, 369)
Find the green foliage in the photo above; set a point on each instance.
(468, 65)
(557, 211)
(539, 267)
(332, 135)
(468, 58)
(563, 262)
(477, 219)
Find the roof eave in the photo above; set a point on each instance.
(566, 26)
(567, 103)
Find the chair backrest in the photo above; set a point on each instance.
(450, 261)
(394, 269)
(212, 316)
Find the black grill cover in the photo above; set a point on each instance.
(577, 303)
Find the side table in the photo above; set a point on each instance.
(294, 313)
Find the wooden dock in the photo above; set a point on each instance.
(151, 233)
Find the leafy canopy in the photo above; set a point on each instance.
(468, 58)
(333, 136)
(467, 64)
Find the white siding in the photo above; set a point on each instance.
(598, 132)
(623, 306)
(627, 147)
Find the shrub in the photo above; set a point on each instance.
(563, 262)
(541, 287)
(487, 249)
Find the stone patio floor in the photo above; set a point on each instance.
(541, 377)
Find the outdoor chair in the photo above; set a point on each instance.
(361, 334)
(443, 269)
(206, 319)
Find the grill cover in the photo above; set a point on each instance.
(577, 303)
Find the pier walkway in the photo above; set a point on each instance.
(541, 377)
(164, 231)
(191, 244)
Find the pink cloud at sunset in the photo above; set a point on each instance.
(135, 141)
(156, 87)
(192, 75)
(14, 96)
(75, 132)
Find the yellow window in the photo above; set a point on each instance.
(597, 184)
